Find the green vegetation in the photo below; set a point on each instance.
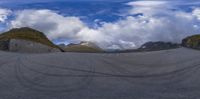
(82, 48)
(27, 34)
(192, 42)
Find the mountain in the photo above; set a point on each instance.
(26, 40)
(89, 44)
(154, 46)
(149, 46)
(192, 42)
(87, 47)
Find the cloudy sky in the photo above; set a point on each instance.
(113, 24)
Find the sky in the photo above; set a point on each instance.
(113, 24)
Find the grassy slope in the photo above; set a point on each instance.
(27, 34)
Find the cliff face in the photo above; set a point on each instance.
(24, 46)
(4, 45)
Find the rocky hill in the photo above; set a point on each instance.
(87, 47)
(192, 42)
(26, 40)
(154, 46)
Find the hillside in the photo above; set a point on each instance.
(26, 40)
(82, 47)
(155, 46)
(192, 42)
(27, 34)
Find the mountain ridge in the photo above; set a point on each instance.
(83, 46)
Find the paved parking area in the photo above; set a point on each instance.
(169, 74)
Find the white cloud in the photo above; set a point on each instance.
(55, 25)
(157, 24)
(4, 14)
(149, 7)
(196, 13)
(147, 3)
(132, 32)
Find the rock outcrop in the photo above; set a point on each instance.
(26, 40)
(4, 45)
(17, 45)
(192, 42)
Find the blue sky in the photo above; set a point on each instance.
(31, 1)
(113, 24)
(87, 10)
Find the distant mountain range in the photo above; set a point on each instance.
(151, 46)
(27, 40)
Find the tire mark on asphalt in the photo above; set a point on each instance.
(40, 87)
(5, 63)
(151, 65)
(180, 72)
(119, 68)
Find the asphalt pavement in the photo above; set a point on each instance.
(167, 74)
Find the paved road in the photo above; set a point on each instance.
(170, 74)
